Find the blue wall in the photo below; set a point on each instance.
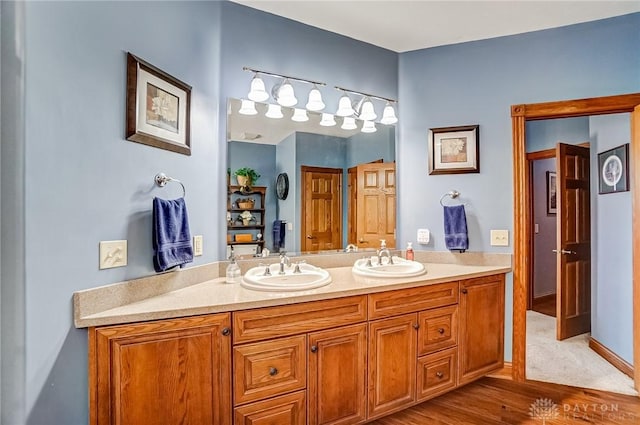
(84, 183)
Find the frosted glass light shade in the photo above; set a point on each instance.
(348, 123)
(315, 102)
(248, 107)
(258, 92)
(344, 107)
(367, 112)
(327, 120)
(369, 127)
(299, 115)
(286, 96)
(389, 115)
(274, 111)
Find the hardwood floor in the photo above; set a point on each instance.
(492, 401)
(545, 305)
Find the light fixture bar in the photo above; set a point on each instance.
(366, 94)
(286, 77)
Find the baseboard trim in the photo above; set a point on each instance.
(505, 373)
(617, 361)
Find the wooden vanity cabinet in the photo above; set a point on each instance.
(481, 343)
(161, 372)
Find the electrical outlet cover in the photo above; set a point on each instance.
(197, 245)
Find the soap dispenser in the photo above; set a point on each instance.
(233, 270)
(409, 251)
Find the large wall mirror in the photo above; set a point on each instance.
(340, 184)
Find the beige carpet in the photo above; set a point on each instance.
(569, 362)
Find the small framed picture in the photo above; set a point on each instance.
(613, 170)
(158, 107)
(454, 150)
(552, 198)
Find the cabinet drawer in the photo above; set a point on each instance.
(269, 368)
(436, 373)
(274, 322)
(285, 410)
(403, 301)
(438, 329)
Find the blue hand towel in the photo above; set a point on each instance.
(455, 228)
(278, 235)
(171, 237)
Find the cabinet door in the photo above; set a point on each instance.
(481, 344)
(337, 376)
(168, 371)
(392, 364)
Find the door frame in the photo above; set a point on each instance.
(520, 114)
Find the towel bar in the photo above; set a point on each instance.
(162, 179)
(453, 194)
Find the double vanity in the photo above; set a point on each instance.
(333, 340)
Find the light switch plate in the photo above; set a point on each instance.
(197, 245)
(499, 238)
(423, 236)
(113, 254)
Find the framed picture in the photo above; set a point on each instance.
(552, 198)
(158, 107)
(613, 170)
(454, 150)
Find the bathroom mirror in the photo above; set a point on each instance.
(341, 183)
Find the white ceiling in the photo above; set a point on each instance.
(403, 26)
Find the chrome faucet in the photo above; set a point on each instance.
(384, 251)
(351, 248)
(284, 261)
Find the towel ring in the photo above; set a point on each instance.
(162, 179)
(453, 194)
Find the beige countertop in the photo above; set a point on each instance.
(214, 295)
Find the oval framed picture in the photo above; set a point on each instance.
(282, 186)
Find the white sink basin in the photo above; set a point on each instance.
(399, 268)
(310, 277)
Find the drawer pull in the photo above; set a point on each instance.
(273, 371)
(226, 331)
(416, 326)
(463, 290)
(314, 348)
(441, 331)
(439, 375)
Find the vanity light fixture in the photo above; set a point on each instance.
(299, 115)
(248, 107)
(315, 102)
(283, 93)
(368, 127)
(257, 92)
(274, 111)
(327, 120)
(389, 115)
(348, 123)
(366, 111)
(344, 106)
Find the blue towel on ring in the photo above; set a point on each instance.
(171, 237)
(455, 228)
(278, 235)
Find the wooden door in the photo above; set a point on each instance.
(392, 364)
(163, 372)
(573, 247)
(376, 200)
(321, 208)
(337, 376)
(481, 315)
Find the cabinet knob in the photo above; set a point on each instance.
(439, 375)
(273, 371)
(441, 331)
(464, 290)
(314, 348)
(226, 331)
(416, 326)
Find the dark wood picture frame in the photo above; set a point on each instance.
(613, 170)
(158, 108)
(454, 150)
(552, 193)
